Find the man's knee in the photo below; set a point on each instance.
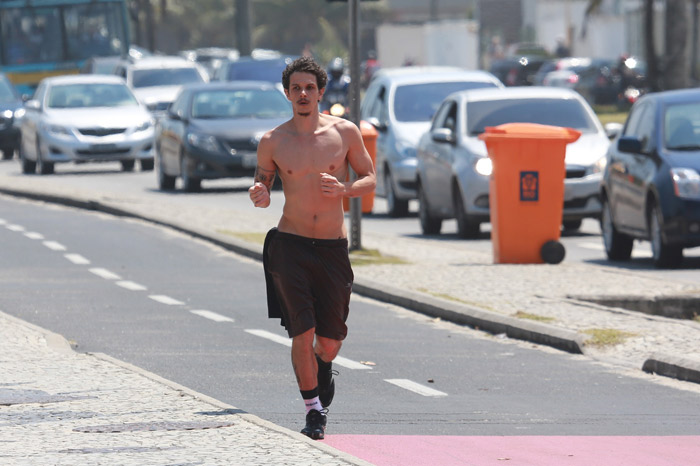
(327, 348)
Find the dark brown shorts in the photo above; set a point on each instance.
(311, 280)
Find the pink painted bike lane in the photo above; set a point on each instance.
(409, 450)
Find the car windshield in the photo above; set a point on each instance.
(90, 95)
(555, 112)
(256, 70)
(7, 93)
(682, 126)
(241, 103)
(419, 102)
(165, 77)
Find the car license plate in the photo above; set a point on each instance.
(103, 147)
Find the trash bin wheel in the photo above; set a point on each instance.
(552, 252)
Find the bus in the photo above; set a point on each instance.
(40, 38)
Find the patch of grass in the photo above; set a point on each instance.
(449, 297)
(610, 114)
(601, 337)
(529, 316)
(249, 236)
(373, 257)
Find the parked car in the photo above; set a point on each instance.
(574, 64)
(11, 112)
(399, 103)
(517, 70)
(212, 131)
(651, 183)
(156, 80)
(268, 68)
(85, 118)
(454, 167)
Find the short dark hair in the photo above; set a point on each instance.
(305, 65)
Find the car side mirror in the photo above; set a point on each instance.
(629, 145)
(32, 105)
(613, 130)
(374, 121)
(443, 135)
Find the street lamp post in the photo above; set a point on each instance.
(354, 42)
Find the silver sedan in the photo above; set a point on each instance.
(85, 118)
(454, 167)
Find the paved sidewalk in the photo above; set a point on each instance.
(58, 407)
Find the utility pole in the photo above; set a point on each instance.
(242, 27)
(354, 42)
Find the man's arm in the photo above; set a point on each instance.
(264, 174)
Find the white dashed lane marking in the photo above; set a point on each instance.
(54, 246)
(77, 259)
(15, 227)
(106, 274)
(34, 235)
(341, 361)
(415, 387)
(166, 300)
(212, 316)
(131, 285)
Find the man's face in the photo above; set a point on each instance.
(304, 93)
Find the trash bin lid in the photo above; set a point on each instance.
(529, 131)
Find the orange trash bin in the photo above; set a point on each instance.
(369, 137)
(526, 191)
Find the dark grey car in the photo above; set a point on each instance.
(212, 131)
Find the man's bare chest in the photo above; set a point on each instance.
(317, 155)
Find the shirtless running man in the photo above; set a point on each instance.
(306, 260)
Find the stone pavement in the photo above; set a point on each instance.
(447, 280)
(59, 407)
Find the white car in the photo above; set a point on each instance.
(399, 103)
(454, 167)
(85, 118)
(156, 80)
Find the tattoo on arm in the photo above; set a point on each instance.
(264, 176)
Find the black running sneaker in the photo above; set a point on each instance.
(315, 425)
(326, 387)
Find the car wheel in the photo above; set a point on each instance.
(128, 165)
(395, 207)
(147, 165)
(42, 167)
(618, 246)
(572, 225)
(165, 181)
(28, 166)
(467, 227)
(189, 183)
(8, 154)
(429, 224)
(663, 254)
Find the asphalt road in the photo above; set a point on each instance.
(195, 314)
(584, 245)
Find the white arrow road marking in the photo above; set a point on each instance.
(341, 361)
(131, 285)
(212, 316)
(34, 235)
(166, 300)
(77, 259)
(15, 227)
(53, 245)
(106, 274)
(415, 387)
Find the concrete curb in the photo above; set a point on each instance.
(221, 405)
(674, 367)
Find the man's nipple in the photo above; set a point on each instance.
(331, 168)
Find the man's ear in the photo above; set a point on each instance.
(320, 94)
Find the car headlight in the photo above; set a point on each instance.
(57, 130)
(405, 150)
(484, 166)
(144, 126)
(19, 114)
(598, 166)
(203, 141)
(686, 182)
